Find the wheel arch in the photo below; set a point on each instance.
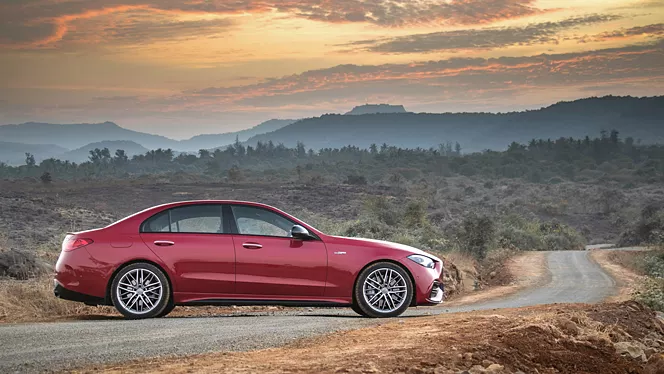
(108, 298)
(413, 302)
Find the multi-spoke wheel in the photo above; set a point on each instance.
(383, 289)
(141, 290)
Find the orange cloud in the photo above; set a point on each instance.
(25, 20)
(458, 74)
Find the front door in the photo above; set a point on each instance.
(269, 262)
(193, 242)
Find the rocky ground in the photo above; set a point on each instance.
(566, 338)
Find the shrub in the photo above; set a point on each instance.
(46, 178)
(651, 293)
(20, 264)
(648, 230)
(383, 210)
(476, 235)
(235, 174)
(358, 180)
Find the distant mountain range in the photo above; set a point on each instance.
(640, 118)
(78, 135)
(82, 154)
(73, 141)
(207, 141)
(14, 153)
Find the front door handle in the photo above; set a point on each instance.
(163, 243)
(252, 245)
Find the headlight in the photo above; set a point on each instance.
(423, 260)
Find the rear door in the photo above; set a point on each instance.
(194, 241)
(271, 264)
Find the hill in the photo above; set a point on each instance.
(82, 154)
(376, 108)
(207, 141)
(14, 153)
(72, 136)
(640, 118)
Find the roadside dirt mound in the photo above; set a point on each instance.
(570, 338)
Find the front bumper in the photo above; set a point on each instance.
(436, 294)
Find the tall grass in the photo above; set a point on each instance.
(33, 299)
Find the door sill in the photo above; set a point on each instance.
(245, 302)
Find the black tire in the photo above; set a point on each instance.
(169, 308)
(357, 310)
(154, 311)
(362, 303)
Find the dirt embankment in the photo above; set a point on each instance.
(572, 338)
(618, 265)
(525, 269)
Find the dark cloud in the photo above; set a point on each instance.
(31, 20)
(448, 76)
(486, 38)
(142, 27)
(655, 30)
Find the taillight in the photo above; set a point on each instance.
(71, 243)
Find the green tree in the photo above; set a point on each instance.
(121, 157)
(30, 159)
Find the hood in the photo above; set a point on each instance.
(406, 249)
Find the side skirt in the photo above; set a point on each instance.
(244, 302)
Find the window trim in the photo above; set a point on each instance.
(223, 216)
(235, 231)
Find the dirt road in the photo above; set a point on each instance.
(573, 278)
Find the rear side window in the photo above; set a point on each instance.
(157, 223)
(202, 219)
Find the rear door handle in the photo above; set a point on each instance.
(163, 243)
(252, 245)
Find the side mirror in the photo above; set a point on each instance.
(299, 232)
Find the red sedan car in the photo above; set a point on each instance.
(239, 253)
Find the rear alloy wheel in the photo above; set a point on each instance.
(383, 290)
(141, 290)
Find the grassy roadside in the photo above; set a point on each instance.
(639, 274)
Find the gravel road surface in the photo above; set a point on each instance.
(573, 278)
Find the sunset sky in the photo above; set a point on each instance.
(183, 67)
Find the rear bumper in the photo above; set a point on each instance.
(61, 292)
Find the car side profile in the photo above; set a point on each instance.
(215, 252)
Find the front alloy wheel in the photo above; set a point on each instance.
(140, 290)
(383, 289)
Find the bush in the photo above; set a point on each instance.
(46, 178)
(476, 235)
(651, 293)
(530, 235)
(20, 265)
(653, 264)
(649, 229)
(235, 174)
(358, 180)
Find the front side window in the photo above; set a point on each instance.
(257, 221)
(203, 219)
